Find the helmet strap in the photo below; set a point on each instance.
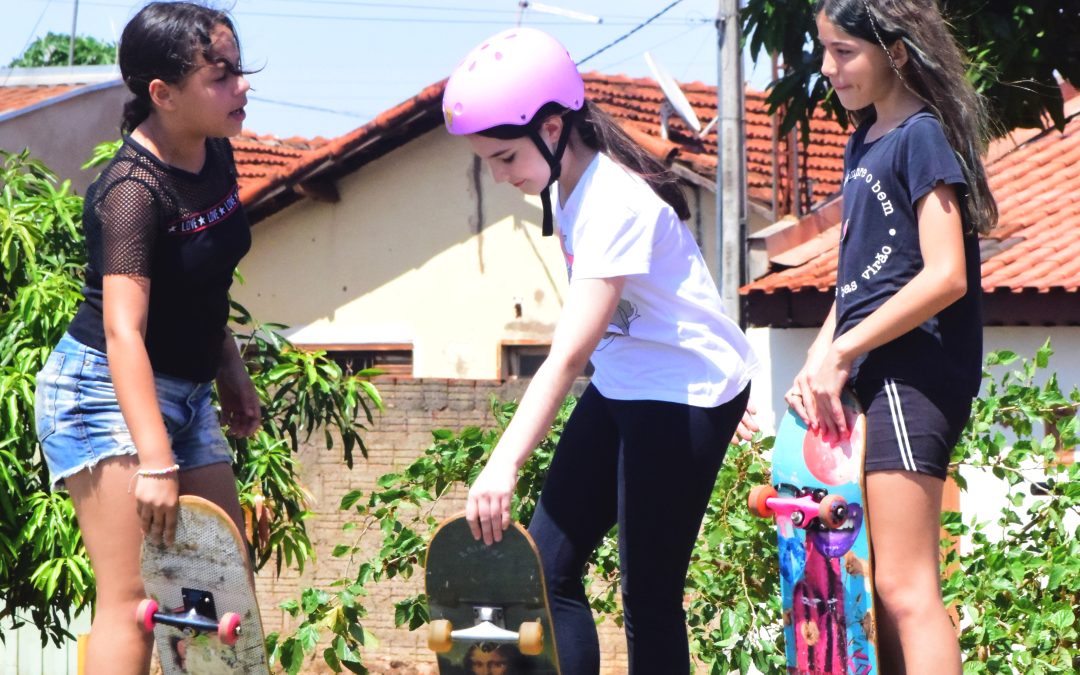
(554, 161)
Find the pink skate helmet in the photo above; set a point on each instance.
(498, 88)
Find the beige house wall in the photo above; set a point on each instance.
(417, 251)
(422, 249)
(63, 134)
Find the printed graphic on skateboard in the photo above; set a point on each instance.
(489, 611)
(817, 499)
(200, 601)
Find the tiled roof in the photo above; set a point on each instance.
(24, 96)
(1035, 177)
(270, 168)
(276, 172)
(636, 102)
(261, 159)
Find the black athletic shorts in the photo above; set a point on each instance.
(910, 429)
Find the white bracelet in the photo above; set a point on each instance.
(153, 473)
(159, 472)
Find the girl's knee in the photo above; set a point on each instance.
(120, 594)
(904, 596)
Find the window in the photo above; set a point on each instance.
(523, 359)
(392, 359)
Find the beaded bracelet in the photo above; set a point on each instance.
(159, 472)
(152, 473)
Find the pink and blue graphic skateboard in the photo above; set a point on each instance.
(816, 499)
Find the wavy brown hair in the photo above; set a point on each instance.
(936, 72)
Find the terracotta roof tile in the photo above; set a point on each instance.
(1036, 245)
(22, 96)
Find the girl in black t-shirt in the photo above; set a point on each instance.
(123, 403)
(905, 330)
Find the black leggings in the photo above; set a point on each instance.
(649, 467)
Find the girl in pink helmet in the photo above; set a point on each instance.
(672, 373)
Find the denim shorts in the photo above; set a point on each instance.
(79, 421)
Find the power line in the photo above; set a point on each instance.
(636, 29)
(28, 40)
(301, 106)
(394, 5)
(415, 19)
(629, 21)
(607, 66)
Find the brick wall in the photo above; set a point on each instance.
(399, 435)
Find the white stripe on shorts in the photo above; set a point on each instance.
(899, 425)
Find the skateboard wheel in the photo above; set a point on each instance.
(531, 638)
(758, 501)
(833, 511)
(439, 636)
(229, 628)
(144, 614)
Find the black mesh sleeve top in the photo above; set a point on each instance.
(183, 231)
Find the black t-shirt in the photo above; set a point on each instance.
(879, 254)
(183, 231)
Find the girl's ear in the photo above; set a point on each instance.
(899, 53)
(162, 95)
(551, 128)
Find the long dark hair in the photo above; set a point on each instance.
(935, 72)
(600, 132)
(161, 43)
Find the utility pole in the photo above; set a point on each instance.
(71, 43)
(730, 161)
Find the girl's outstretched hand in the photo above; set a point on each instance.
(488, 506)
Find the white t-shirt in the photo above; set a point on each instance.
(669, 339)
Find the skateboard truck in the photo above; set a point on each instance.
(832, 510)
(198, 615)
(489, 627)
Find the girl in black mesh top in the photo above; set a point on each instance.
(123, 403)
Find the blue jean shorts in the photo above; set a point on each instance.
(79, 421)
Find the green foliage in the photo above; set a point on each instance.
(53, 49)
(1013, 49)
(1015, 595)
(1017, 582)
(44, 572)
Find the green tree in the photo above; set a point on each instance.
(45, 575)
(1014, 48)
(1015, 592)
(53, 49)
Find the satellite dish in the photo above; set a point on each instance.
(675, 99)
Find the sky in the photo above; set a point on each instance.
(329, 66)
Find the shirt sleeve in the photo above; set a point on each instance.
(619, 244)
(928, 159)
(129, 219)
